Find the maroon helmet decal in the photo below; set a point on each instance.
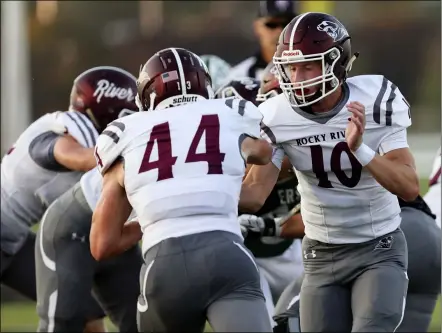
(104, 94)
(172, 77)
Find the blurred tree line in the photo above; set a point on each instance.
(399, 39)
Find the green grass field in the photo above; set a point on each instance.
(21, 317)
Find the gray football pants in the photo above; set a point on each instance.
(354, 287)
(18, 270)
(67, 273)
(424, 265)
(207, 276)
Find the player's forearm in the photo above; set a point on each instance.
(108, 233)
(104, 247)
(130, 236)
(80, 159)
(250, 199)
(293, 228)
(399, 179)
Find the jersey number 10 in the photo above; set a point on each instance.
(335, 166)
(161, 136)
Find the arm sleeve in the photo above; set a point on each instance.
(109, 145)
(41, 150)
(253, 118)
(397, 120)
(394, 140)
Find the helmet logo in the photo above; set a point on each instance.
(333, 29)
(292, 53)
(110, 90)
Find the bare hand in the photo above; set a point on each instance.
(356, 125)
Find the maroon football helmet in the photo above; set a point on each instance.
(313, 37)
(245, 88)
(104, 94)
(269, 84)
(172, 77)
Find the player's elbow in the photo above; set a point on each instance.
(410, 193)
(260, 153)
(72, 155)
(99, 249)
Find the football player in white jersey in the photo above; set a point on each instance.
(180, 166)
(279, 260)
(46, 160)
(424, 264)
(62, 251)
(433, 197)
(346, 139)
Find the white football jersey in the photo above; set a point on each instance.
(433, 196)
(91, 185)
(29, 188)
(341, 202)
(183, 165)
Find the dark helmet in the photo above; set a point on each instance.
(313, 37)
(104, 94)
(172, 77)
(269, 84)
(245, 88)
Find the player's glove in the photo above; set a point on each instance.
(264, 226)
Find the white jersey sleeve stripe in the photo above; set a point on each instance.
(389, 106)
(241, 105)
(92, 132)
(267, 133)
(113, 129)
(85, 142)
(378, 101)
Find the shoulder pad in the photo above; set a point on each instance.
(385, 104)
(249, 113)
(270, 120)
(110, 144)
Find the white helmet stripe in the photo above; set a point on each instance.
(292, 35)
(180, 71)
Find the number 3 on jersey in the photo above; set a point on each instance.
(160, 135)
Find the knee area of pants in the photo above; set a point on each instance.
(286, 325)
(383, 324)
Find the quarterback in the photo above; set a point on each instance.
(346, 139)
(180, 166)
